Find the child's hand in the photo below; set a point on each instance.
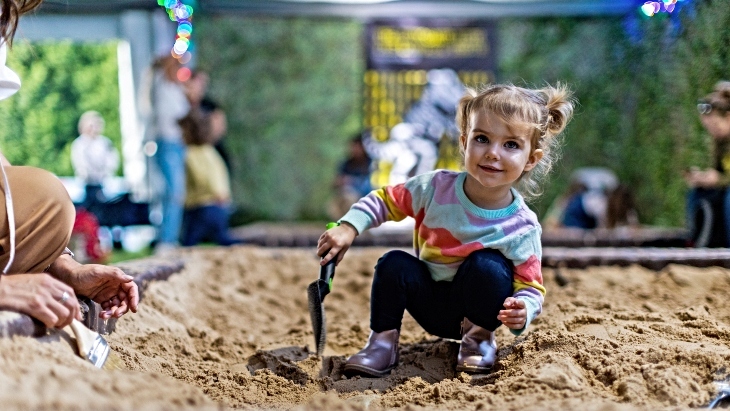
(335, 240)
(515, 315)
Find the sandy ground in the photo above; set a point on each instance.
(232, 331)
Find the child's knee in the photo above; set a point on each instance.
(489, 258)
(488, 263)
(392, 264)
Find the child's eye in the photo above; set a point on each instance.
(481, 139)
(512, 145)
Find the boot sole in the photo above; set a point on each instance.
(352, 369)
(474, 370)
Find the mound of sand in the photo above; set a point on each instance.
(232, 331)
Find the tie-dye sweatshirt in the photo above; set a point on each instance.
(449, 227)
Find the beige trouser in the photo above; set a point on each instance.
(44, 218)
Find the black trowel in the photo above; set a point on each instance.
(316, 292)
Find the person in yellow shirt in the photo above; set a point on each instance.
(208, 183)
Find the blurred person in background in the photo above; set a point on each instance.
(208, 183)
(94, 157)
(196, 89)
(353, 178)
(40, 277)
(708, 204)
(594, 199)
(168, 105)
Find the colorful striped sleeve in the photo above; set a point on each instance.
(390, 203)
(526, 252)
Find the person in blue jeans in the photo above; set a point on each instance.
(170, 105)
(711, 184)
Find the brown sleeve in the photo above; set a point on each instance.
(44, 218)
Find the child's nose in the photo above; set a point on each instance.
(492, 151)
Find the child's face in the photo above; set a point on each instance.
(495, 153)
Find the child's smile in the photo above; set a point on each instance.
(495, 156)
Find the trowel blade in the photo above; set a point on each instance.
(316, 313)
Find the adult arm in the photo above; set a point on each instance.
(115, 291)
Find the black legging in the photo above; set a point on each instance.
(403, 282)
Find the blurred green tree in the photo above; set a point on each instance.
(636, 112)
(60, 80)
(291, 89)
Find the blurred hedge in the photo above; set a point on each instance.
(291, 88)
(60, 80)
(637, 97)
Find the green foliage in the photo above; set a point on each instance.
(291, 90)
(60, 80)
(637, 100)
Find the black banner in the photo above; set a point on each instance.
(408, 44)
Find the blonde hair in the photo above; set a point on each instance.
(87, 118)
(544, 111)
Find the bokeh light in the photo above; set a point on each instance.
(651, 8)
(183, 74)
(183, 15)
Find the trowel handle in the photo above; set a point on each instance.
(327, 272)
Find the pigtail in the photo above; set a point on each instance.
(559, 105)
(556, 111)
(464, 109)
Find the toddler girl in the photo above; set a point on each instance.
(477, 244)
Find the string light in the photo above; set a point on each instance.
(183, 15)
(651, 8)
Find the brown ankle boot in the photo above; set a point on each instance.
(478, 350)
(379, 356)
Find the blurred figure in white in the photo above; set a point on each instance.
(94, 157)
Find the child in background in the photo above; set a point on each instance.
(94, 157)
(477, 244)
(208, 183)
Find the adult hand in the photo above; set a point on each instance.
(40, 296)
(515, 314)
(115, 291)
(337, 240)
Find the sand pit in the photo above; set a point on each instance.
(232, 331)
